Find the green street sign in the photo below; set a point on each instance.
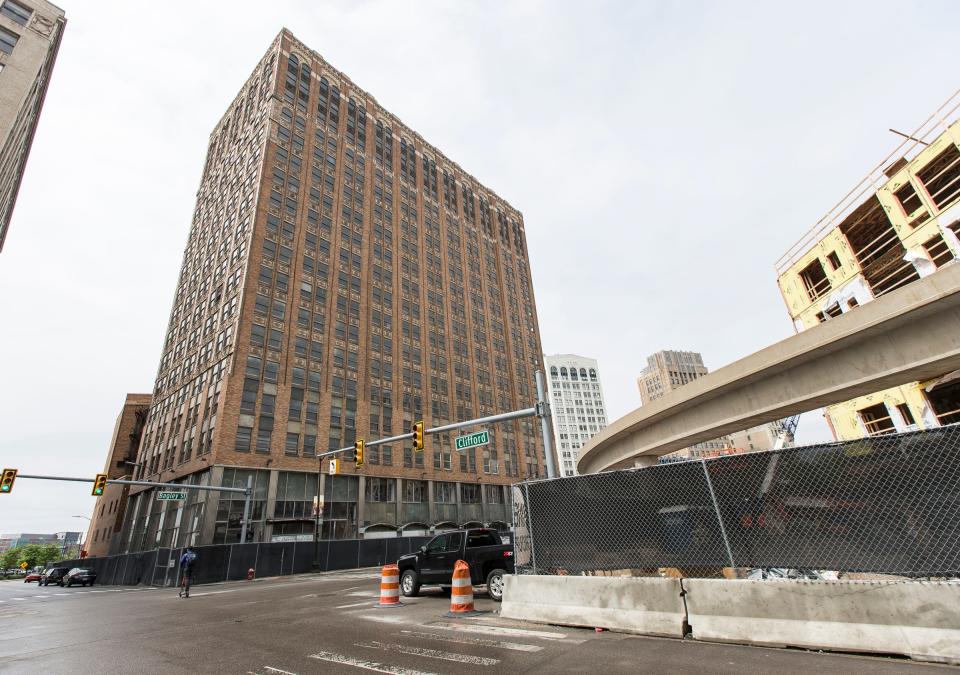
(171, 496)
(473, 440)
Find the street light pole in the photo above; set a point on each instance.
(80, 538)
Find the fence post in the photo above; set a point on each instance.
(716, 509)
(526, 499)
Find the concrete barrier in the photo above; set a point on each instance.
(644, 605)
(915, 618)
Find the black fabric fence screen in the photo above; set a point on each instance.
(885, 504)
(226, 562)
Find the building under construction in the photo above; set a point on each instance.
(900, 223)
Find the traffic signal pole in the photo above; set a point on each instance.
(541, 410)
(246, 491)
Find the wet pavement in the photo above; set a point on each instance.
(329, 623)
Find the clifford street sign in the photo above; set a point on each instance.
(473, 440)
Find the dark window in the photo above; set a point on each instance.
(243, 439)
(941, 177)
(16, 12)
(481, 538)
(877, 420)
(910, 202)
(8, 41)
(834, 260)
(469, 493)
(815, 279)
(906, 413)
(454, 541)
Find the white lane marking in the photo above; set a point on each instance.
(500, 630)
(271, 669)
(366, 665)
(356, 604)
(384, 618)
(197, 595)
(498, 644)
(429, 653)
(362, 594)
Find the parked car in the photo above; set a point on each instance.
(482, 549)
(32, 575)
(53, 575)
(80, 575)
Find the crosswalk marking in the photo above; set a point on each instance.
(330, 657)
(429, 653)
(500, 630)
(497, 644)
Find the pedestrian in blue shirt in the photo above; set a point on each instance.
(187, 561)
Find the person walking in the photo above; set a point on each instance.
(187, 561)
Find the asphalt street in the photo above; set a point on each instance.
(329, 623)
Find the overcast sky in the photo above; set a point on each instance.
(663, 154)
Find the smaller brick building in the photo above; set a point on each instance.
(107, 518)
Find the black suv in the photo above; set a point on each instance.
(80, 575)
(53, 575)
(482, 549)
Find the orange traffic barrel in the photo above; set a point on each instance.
(461, 591)
(390, 586)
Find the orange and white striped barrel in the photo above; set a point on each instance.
(461, 591)
(390, 586)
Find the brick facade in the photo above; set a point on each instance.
(351, 279)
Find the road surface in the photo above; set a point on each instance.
(328, 623)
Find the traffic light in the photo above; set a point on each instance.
(358, 453)
(418, 436)
(6, 483)
(99, 483)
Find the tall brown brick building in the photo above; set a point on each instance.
(342, 279)
(103, 534)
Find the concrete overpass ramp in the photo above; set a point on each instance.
(912, 333)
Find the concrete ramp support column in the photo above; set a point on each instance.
(643, 605)
(915, 618)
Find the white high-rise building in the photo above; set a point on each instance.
(576, 400)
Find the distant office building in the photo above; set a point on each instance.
(577, 407)
(108, 511)
(900, 223)
(343, 279)
(668, 370)
(30, 32)
(62, 539)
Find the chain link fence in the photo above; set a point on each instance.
(880, 505)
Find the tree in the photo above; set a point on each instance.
(10, 558)
(30, 554)
(49, 553)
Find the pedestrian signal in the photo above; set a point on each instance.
(6, 482)
(358, 453)
(418, 436)
(99, 483)
(334, 467)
